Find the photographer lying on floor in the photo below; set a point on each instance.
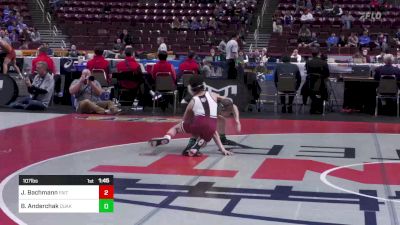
(87, 92)
(40, 90)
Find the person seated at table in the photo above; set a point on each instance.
(163, 66)
(99, 62)
(72, 52)
(127, 65)
(51, 68)
(87, 92)
(189, 64)
(287, 68)
(295, 56)
(358, 58)
(387, 69)
(40, 89)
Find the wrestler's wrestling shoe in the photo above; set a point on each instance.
(226, 141)
(159, 141)
(194, 150)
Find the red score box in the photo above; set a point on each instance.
(106, 192)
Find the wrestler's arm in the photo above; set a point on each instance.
(236, 116)
(221, 147)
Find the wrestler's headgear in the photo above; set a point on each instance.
(196, 84)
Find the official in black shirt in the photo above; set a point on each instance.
(287, 68)
(315, 67)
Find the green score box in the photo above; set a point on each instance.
(106, 205)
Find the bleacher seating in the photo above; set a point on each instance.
(325, 25)
(88, 25)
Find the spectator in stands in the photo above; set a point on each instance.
(162, 46)
(318, 7)
(12, 27)
(194, 25)
(98, 61)
(387, 69)
(232, 50)
(49, 50)
(343, 42)
(189, 64)
(6, 10)
(347, 20)
(277, 25)
(283, 69)
(263, 57)
(358, 58)
(185, 23)
(212, 24)
(337, 11)
(296, 56)
(210, 40)
(176, 25)
(374, 5)
(307, 16)
(87, 93)
(328, 7)
(309, 5)
(300, 4)
(313, 41)
(364, 40)
(72, 52)
(203, 23)
(304, 36)
(397, 37)
(222, 46)
(35, 35)
(381, 42)
(243, 58)
(397, 60)
(353, 40)
(4, 37)
(288, 19)
(40, 90)
(126, 37)
(14, 37)
(332, 41)
(118, 46)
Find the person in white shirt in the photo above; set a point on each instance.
(295, 55)
(307, 16)
(232, 53)
(163, 46)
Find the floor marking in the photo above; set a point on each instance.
(327, 172)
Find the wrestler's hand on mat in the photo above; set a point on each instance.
(226, 153)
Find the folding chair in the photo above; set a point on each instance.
(286, 86)
(166, 86)
(387, 89)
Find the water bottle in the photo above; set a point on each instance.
(135, 104)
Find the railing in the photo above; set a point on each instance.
(256, 37)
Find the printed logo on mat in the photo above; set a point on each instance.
(129, 119)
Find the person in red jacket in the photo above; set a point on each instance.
(98, 62)
(43, 57)
(163, 66)
(189, 64)
(129, 64)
